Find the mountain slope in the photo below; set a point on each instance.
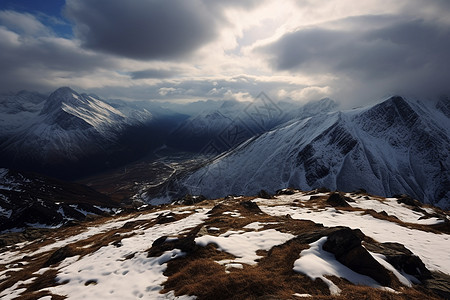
(298, 244)
(71, 130)
(217, 130)
(397, 146)
(31, 200)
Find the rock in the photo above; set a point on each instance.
(189, 199)
(251, 206)
(91, 209)
(71, 223)
(265, 195)
(401, 258)
(360, 191)
(90, 282)
(165, 218)
(186, 244)
(337, 200)
(287, 191)
(159, 241)
(217, 208)
(59, 255)
(72, 212)
(405, 199)
(346, 246)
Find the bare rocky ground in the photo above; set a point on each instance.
(293, 245)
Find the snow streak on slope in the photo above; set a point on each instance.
(397, 146)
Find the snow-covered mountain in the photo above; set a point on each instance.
(16, 108)
(65, 128)
(216, 130)
(397, 146)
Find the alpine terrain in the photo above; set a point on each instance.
(68, 130)
(295, 245)
(398, 146)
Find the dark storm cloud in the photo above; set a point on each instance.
(34, 59)
(154, 73)
(407, 55)
(142, 29)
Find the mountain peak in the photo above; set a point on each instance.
(444, 105)
(394, 110)
(58, 97)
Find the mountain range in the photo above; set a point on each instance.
(68, 134)
(166, 206)
(394, 147)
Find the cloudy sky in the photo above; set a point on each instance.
(352, 51)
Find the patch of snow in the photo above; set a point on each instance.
(234, 214)
(244, 245)
(432, 248)
(317, 263)
(114, 276)
(301, 295)
(138, 277)
(14, 291)
(254, 226)
(382, 260)
(393, 208)
(213, 229)
(258, 225)
(232, 266)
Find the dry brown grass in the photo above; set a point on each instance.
(33, 263)
(199, 274)
(273, 277)
(439, 228)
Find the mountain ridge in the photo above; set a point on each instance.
(388, 148)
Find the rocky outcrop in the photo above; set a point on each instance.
(345, 244)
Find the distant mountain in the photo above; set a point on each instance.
(216, 130)
(397, 146)
(69, 133)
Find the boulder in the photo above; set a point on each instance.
(189, 199)
(186, 244)
(59, 255)
(405, 199)
(337, 200)
(251, 206)
(346, 246)
(265, 195)
(401, 258)
(287, 191)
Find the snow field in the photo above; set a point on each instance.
(432, 248)
(107, 272)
